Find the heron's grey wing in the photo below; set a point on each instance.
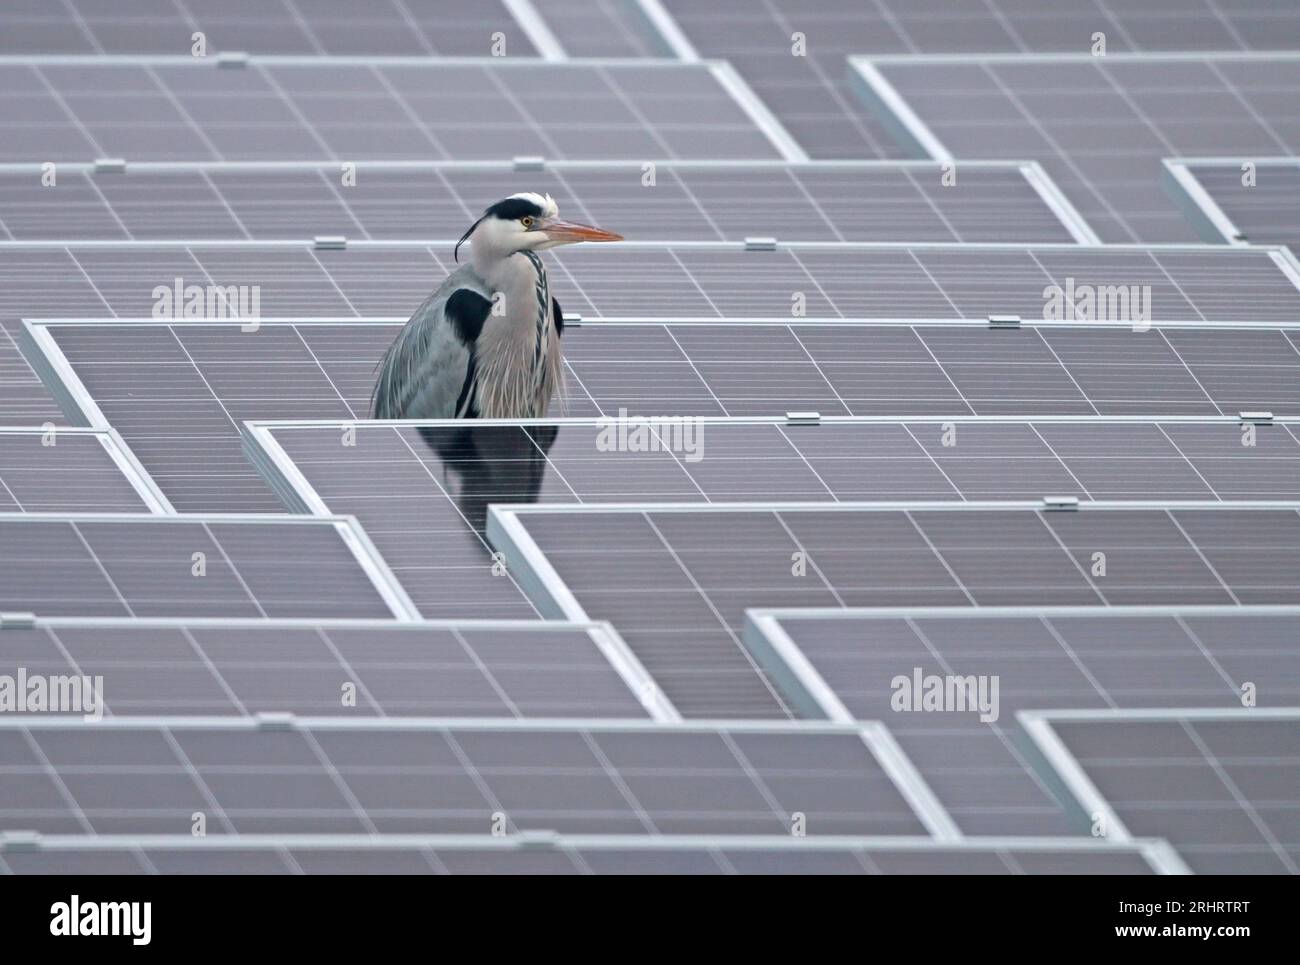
(427, 371)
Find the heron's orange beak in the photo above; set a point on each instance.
(570, 232)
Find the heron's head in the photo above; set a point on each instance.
(527, 222)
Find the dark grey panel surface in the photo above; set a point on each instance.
(677, 584)
(399, 777)
(1265, 212)
(145, 566)
(1101, 125)
(61, 471)
(340, 110)
(178, 393)
(1222, 791)
(601, 28)
(566, 857)
(428, 516)
(406, 27)
(980, 770)
(397, 670)
(793, 202)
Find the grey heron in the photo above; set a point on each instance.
(486, 343)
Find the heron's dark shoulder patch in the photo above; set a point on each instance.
(467, 310)
(559, 315)
(512, 209)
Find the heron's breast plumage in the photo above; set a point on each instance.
(517, 357)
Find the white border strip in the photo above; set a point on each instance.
(838, 247)
(853, 506)
(918, 794)
(1197, 206)
(1281, 262)
(757, 111)
(1065, 768)
(375, 566)
(262, 426)
(880, 97)
(666, 27)
(1174, 56)
(1075, 223)
(548, 46)
(1149, 849)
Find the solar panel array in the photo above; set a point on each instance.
(968, 337)
(677, 582)
(430, 518)
(1232, 774)
(1128, 658)
(178, 392)
(811, 92)
(1099, 125)
(846, 201)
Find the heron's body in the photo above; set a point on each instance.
(486, 343)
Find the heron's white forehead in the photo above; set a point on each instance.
(544, 201)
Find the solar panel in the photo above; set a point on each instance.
(571, 854)
(1242, 200)
(1219, 784)
(847, 663)
(286, 108)
(59, 469)
(1099, 125)
(357, 669)
(806, 85)
(428, 519)
(1121, 287)
(675, 581)
(217, 566)
(413, 776)
(704, 201)
(411, 27)
(178, 392)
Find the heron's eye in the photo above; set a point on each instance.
(526, 221)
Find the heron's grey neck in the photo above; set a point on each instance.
(517, 351)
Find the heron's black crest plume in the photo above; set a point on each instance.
(455, 254)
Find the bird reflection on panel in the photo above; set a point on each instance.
(484, 464)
